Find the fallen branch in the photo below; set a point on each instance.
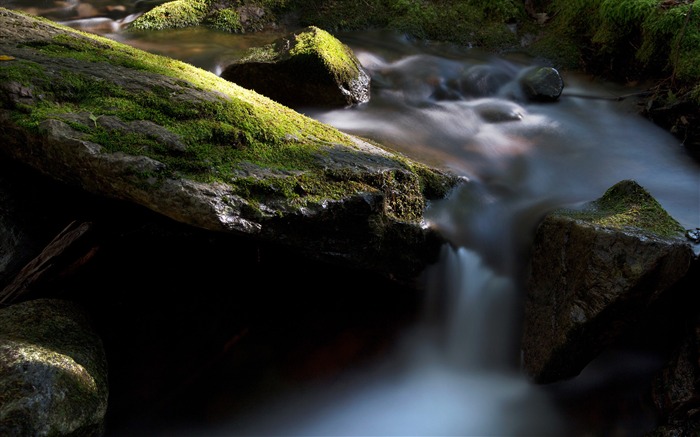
(58, 259)
(611, 98)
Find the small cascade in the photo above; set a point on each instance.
(454, 374)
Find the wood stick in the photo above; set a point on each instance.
(51, 263)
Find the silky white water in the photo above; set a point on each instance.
(457, 372)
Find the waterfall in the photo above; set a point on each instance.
(453, 374)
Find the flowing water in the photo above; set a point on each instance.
(456, 372)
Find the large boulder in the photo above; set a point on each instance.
(308, 67)
(122, 123)
(53, 371)
(594, 274)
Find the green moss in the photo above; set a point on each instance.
(224, 135)
(628, 205)
(343, 15)
(22, 72)
(464, 22)
(625, 39)
(226, 20)
(174, 14)
(569, 33)
(336, 56)
(301, 189)
(445, 21)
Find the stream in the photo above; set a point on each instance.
(456, 371)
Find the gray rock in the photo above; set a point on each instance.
(594, 274)
(541, 84)
(53, 371)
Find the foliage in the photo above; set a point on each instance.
(628, 39)
(673, 37)
(227, 20)
(475, 22)
(339, 15)
(445, 21)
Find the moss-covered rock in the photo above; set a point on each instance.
(595, 275)
(627, 206)
(53, 371)
(308, 67)
(123, 123)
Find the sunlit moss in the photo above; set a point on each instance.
(628, 205)
(224, 133)
(336, 56)
(173, 14)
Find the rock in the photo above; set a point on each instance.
(497, 110)
(172, 15)
(206, 152)
(53, 371)
(543, 84)
(675, 389)
(594, 274)
(308, 67)
(483, 80)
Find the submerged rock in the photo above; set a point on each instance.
(543, 84)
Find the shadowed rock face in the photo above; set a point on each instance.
(593, 279)
(125, 124)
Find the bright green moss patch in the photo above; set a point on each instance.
(299, 190)
(335, 55)
(174, 14)
(628, 205)
(237, 125)
(310, 42)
